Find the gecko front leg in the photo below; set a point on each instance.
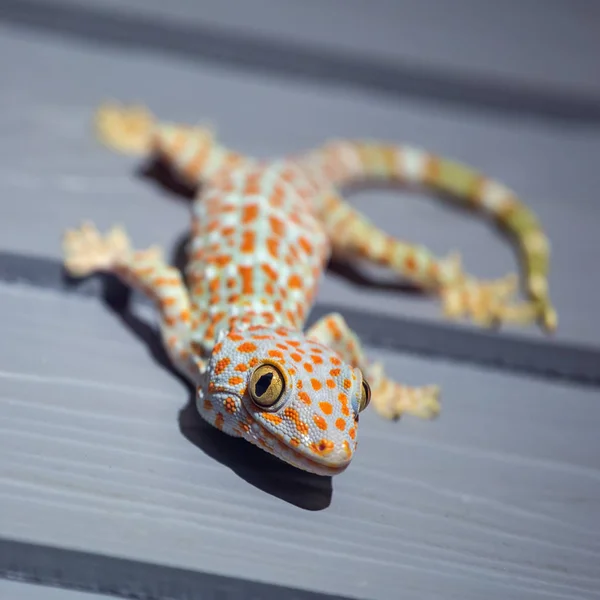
(86, 251)
(192, 151)
(389, 398)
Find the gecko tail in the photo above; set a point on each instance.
(346, 162)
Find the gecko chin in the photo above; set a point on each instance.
(290, 395)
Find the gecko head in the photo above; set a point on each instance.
(287, 394)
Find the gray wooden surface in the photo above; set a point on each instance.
(14, 590)
(53, 168)
(499, 498)
(515, 41)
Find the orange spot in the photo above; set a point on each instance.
(335, 361)
(272, 418)
(295, 356)
(241, 367)
(316, 384)
(347, 384)
(219, 421)
(278, 196)
(410, 263)
(299, 384)
(221, 260)
(248, 239)
(308, 367)
(249, 213)
(169, 301)
(230, 405)
(305, 245)
(270, 272)
(247, 347)
(335, 372)
(252, 185)
(320, 422)
(247, 280)
(253, 361)
(236, 337)
(316, 359)
(344, 402)
(326, 407)
(302, 428)
(295, 282)
(207, 405)
(352, 432)
(235, 380)
(277, 225)
(222, 365)
(340, 424)
(273, 247)
(295, 442)
(304, 397)
(227, 231)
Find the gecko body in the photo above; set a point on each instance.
(262, 232)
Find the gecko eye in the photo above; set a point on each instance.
(267, 385)
(365, 396)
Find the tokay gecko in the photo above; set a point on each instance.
(262, 232)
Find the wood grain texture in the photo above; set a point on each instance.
(53, 168)
(498, 498)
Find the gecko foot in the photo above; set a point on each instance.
(85, 250)
(126, 129)
(392, 400)
(487, 303)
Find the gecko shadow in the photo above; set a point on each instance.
(258, 468)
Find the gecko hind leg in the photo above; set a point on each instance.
(86, 251)
(486, 303)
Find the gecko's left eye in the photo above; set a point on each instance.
(267, 385)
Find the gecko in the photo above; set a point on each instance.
(262, 232)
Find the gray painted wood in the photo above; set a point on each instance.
(16, 590)
(521, 42)
(53, 173)
(498, 498)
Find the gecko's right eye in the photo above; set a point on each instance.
(267, 385)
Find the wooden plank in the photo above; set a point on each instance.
(513, 41)
(16, 590)
(498, 498)
(53, 168)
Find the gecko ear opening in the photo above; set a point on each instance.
(267, 385)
